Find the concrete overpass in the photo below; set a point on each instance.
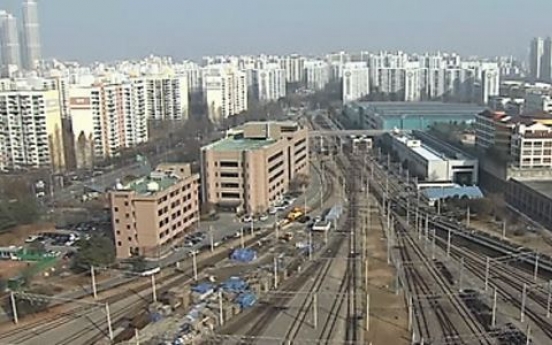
(347, 132)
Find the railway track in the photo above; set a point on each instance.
(453, 329)
(261, 316)
(509, 280)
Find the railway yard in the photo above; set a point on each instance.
(389, 271)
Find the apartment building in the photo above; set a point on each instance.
(225, 91)
(269, 83)
(107, 118)
(252, 168)
(31, 130)
(9, 41)
(166, 97)
(532, 145)
(317, 74)
(356, 81)
(150, 213)
(294, 67)
(493, 129)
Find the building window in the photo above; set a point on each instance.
(116, 209)
(116, 221)
(126, 203)
(227, 174)
(226, 164)
(119, 243)
(230, 195)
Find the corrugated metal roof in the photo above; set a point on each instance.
(472, 192)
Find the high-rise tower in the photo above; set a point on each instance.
(9, 40)
(31, 34)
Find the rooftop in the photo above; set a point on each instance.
(427, 153)
(239, 144)
(143, 186)
(471, 192)
(543, 187)
(421, 108)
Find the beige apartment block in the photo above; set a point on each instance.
(253, 166)
(149, 213)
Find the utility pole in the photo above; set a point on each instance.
(433, 245)
(448, 244)
(93, 275)
(14, 308)
(504, 230)
(536, 269)
(242, 239)
(153, 288)
(194, 264)
(523, 301)
(368, 312)
(549, 299)
(487, 268)
(461, 274)
(221, 316)
(275, 272)
(212, 240)
(493, 320)
(315, 310)
(468, 215)
(109, 326)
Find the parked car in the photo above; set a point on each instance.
(247, 219)
(263, 217)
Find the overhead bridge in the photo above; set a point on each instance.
(347, 132)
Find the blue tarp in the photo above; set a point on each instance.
(155, 317)
(246, 300)
(235, 285)
(244, 255)
(334, 213)
(202, 288)
(434, 193)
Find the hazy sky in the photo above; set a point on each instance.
(111, 29)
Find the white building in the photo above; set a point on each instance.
(269, 83)
(532, 146)
(193, 74)
(490, 84)
(31, 35)
(356, 81)
(112, 116)
(540, 59)
(317, 74)
(294, 66)
(166, 97)
(9, 40)
(413, 85)
(431, 165)
(31, 130)
(225, 91)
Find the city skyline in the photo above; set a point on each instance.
(72, 30)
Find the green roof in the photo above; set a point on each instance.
(140, 186)
(240, 144)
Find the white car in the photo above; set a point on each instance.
(272, 210)
(247, 219)
(263, 218)
(31, 239)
